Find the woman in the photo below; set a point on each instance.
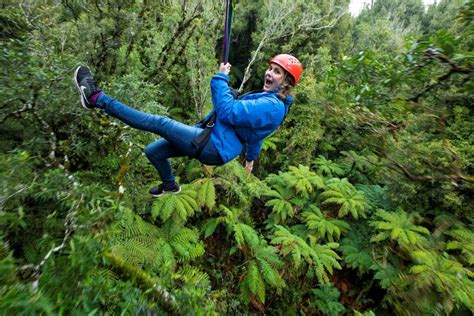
(238, 121)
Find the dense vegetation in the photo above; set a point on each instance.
(361, 203)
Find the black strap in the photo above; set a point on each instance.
(203, 138)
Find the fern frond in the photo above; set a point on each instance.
(270, 274)
(303, 180)
(321, 257)
(209, 227)
(326, 167)
(176, 206)
(463, 241)
(342, 193)
(187, 245)
(252, 283)
(193, 276)
(357, 251)
(399, 226)
(206, 193)
(323, 227)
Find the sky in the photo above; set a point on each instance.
(357, 5)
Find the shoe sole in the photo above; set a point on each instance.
(81, 93)
(166, 192)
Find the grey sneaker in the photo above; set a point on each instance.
(163, 188)
(85, 85)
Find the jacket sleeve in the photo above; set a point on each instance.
(256, 113)
(252, 151)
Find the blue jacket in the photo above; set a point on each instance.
(245, 121)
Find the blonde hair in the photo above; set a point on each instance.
(286, 86)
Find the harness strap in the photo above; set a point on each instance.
(202, 139)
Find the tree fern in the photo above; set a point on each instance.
(444, 275)
(386, 274)
(176, 207)
(303, 180)
(143, 279)
(322, 258)
(326, 300)
(260, 270)
(206, 193)
(322, 227)
(357, 251)
(270, 142)
(193, 276)
(400, 227)
(156, 249)
(281, 205)
(376, 196)
(463, 241)
(342, 193)
(252, 283)
(268, 262)
(326, 167)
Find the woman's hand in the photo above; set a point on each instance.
(249, 166)
(225, 68)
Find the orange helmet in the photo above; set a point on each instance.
(290, 63)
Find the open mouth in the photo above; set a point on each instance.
(268, 81)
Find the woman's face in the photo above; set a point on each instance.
(273, 77)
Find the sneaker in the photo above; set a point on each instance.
(85, 85)
(163, 188)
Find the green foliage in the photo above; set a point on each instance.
(463, 241)
(327, 167)
(400, 227)
(303, 180)
(326, 300)
(261, 270)
(321, 226)
(357, 251)
(243, 233)
(152, 248)
(206, 193)
(322, 258)
(343, 194)
(176, 208)
(443, 275)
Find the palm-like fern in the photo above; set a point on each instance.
(326, 167)
(156, 249)
(303, 180)
(463, 241)
(243, 234)
(400, 227)
(357, 250)
(281, 202)
(176, 207)
(444, 275)
(322, 227)
(270, 142)
(193, 276)
(260, 270)
(322, 258)
(342, 193)
(206, 192)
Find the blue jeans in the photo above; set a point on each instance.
(176, 137)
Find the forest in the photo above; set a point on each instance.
(360, 203)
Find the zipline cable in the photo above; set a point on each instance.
(229, 8)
